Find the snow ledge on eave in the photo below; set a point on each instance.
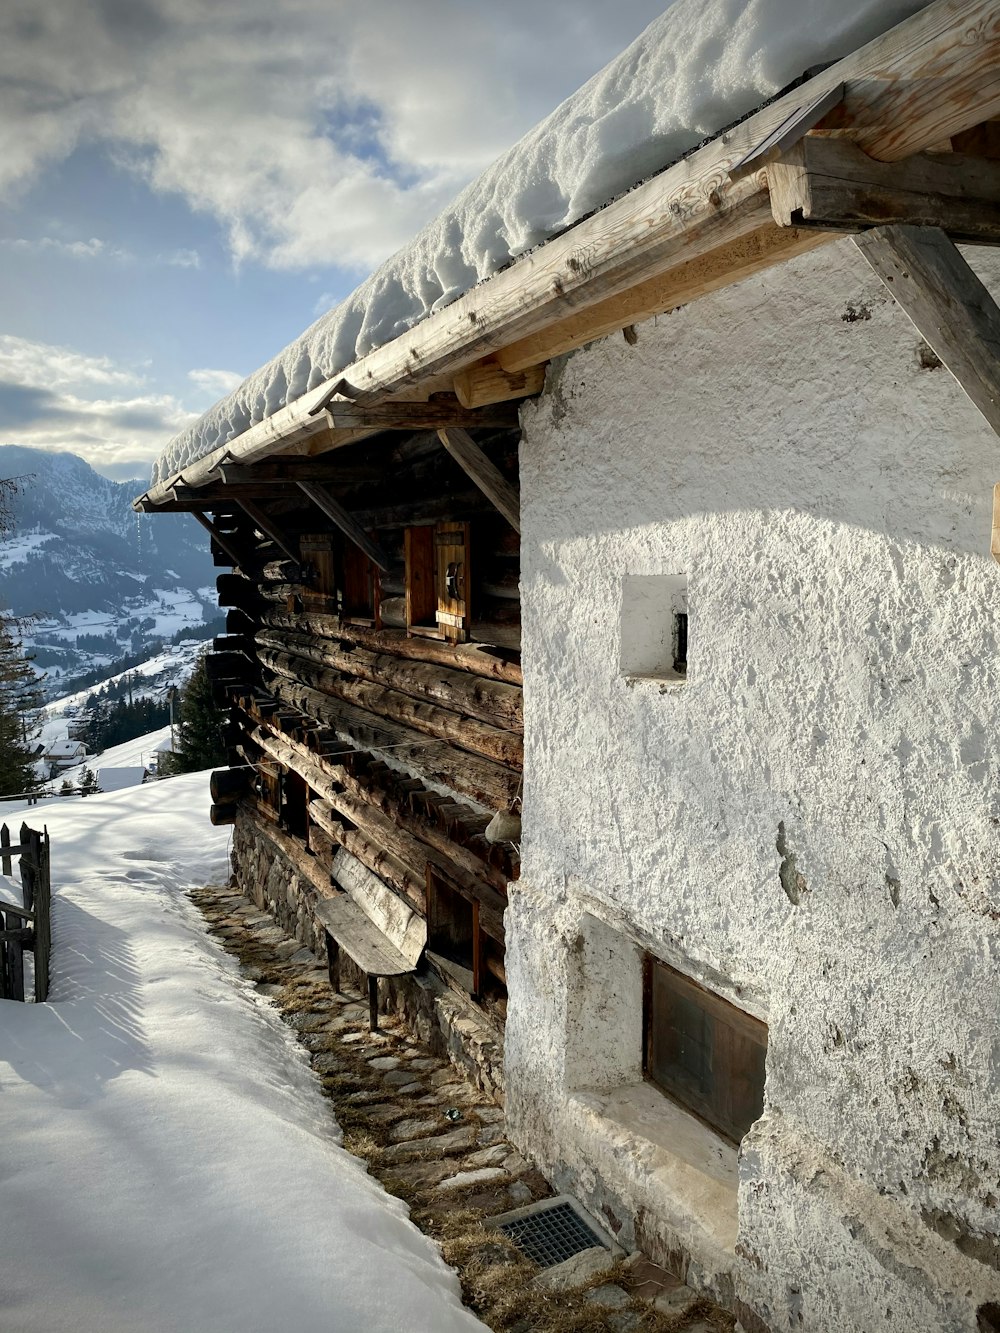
(698, 67)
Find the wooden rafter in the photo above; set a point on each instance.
(338, 515)
(487, 476)
(265, 524)
(831, 184)
(223, 539)
(946, 303)
(442, 410)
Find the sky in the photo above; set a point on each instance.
(185, 185)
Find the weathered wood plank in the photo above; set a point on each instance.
(441, 410)
(348, 525)
(488, 382)
(325, 775)
(831, 183)
(406, 880)
(360, 938)
(946, 303)
(487, 476)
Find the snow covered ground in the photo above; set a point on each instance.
(168, 1162)
(697, 68)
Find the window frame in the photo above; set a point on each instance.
(736, 1039)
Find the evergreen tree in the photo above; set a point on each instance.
(199, 740)
(20, 696)
(88, 782)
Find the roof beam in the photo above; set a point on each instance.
(832, 184)
(442, 410)
(222, 539)
(340, 517)
(946, 303)
(487, 476)
(265, 524)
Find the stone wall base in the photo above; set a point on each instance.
(444, 1020)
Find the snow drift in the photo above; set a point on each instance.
(168, 1160)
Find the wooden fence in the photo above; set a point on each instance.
(27, 926)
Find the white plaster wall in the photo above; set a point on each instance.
(829, 500)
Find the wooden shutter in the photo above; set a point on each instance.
(707, 1054)
(451, 550)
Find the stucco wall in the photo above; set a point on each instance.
(808, 824)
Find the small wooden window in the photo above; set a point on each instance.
(437, 581)
(360, 590)
(707, 1054)
(319, 552)
(465, 938)
(453, 930)
(294, 804)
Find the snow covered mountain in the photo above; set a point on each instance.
(104, 582)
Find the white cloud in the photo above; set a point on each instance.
(46, 366)
(315, 132)
(215, 382)
(94, 248)
(56, 398)
(181, 259)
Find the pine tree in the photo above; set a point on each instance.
(20, 700)
(88, 782)
(199, 740)
(20, 696)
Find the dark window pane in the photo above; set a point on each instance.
(707, 1054)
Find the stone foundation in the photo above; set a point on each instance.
(445, 1021)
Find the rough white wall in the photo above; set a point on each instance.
(809, 823)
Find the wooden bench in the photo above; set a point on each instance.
(349, 928)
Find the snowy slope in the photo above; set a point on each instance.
(103, 581)
(168, 1161)
(697, 68)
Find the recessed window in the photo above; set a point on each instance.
(437, 581)
(707, 1054)
(654, 627)
(465, 937)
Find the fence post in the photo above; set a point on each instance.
(43, 917)
(5, 850)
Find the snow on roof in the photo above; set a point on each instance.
(695, 69)
(116, 779)
(172, 1161)
(65, 749)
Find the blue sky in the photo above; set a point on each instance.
(186, 184)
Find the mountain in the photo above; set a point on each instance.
(102, 581)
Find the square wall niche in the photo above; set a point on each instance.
(654, 628)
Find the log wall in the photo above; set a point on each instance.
(356, 734)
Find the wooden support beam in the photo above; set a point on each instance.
(223, 540)
(487, 476)
(441, 410)
(488, 382)
(830, 183)
(760, 248)
(265, 524)
(946, 303)
(338, 515)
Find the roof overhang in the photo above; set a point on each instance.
(700, 225)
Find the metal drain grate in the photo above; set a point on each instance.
(552, 1234)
